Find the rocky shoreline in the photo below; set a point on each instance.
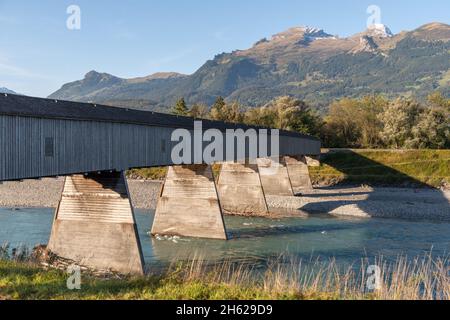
(360, 202)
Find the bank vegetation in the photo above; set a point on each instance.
(422, 278)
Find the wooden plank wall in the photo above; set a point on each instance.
(89, 146)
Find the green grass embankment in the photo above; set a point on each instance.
(24, 281)
(384, 167)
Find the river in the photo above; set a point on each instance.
(258, 240)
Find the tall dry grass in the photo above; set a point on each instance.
(284, 277)
(422, 278)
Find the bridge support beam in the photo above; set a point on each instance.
(274, 177)
(298, 172)
(94, 224)
(189, 205)
(240, 190)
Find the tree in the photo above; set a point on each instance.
(368, 120)
(264, 117)
(399, 119)
(286, 113)
(341, 129)
(218, 109)
(437, 99)
(234, 113)
(354, 122)
(199, 111)
(180, 108)
(432, 130)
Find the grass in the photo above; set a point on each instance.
(420, 279)
(384, 167)
(159, 173)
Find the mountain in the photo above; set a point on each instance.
(379, 30)
(304, 62)
(138, 93)
(6, 90)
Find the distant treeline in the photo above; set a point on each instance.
(372, 121)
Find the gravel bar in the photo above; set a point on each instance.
(362, 202)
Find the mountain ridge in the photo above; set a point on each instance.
(6, 90)
(304, 62)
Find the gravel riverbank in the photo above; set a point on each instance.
(46, 193)
(423, 204)
(398, 203)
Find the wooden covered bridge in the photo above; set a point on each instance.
(93, 145)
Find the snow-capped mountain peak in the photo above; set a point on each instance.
(6, 90)
(380, 30)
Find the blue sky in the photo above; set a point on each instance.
(38, 53)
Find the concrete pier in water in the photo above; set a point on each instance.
(94, 224)
(189, 204)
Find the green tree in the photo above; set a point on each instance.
(228, 112)
(180, 108)
(286, 113)
(399, 119)
(368, 121)
(341, 129)
(440, 111)
(218, 110)
(354, 122)
(432, 131)
(264, 117)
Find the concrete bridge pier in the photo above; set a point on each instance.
(298, 172)
(240, 190)
(275, 177)
(94, 224)
(189, 205)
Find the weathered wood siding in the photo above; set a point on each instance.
(76, 146)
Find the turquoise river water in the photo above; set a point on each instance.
(259, 240)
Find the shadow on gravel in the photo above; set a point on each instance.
(359, 170)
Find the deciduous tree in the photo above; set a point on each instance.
(399, 119)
